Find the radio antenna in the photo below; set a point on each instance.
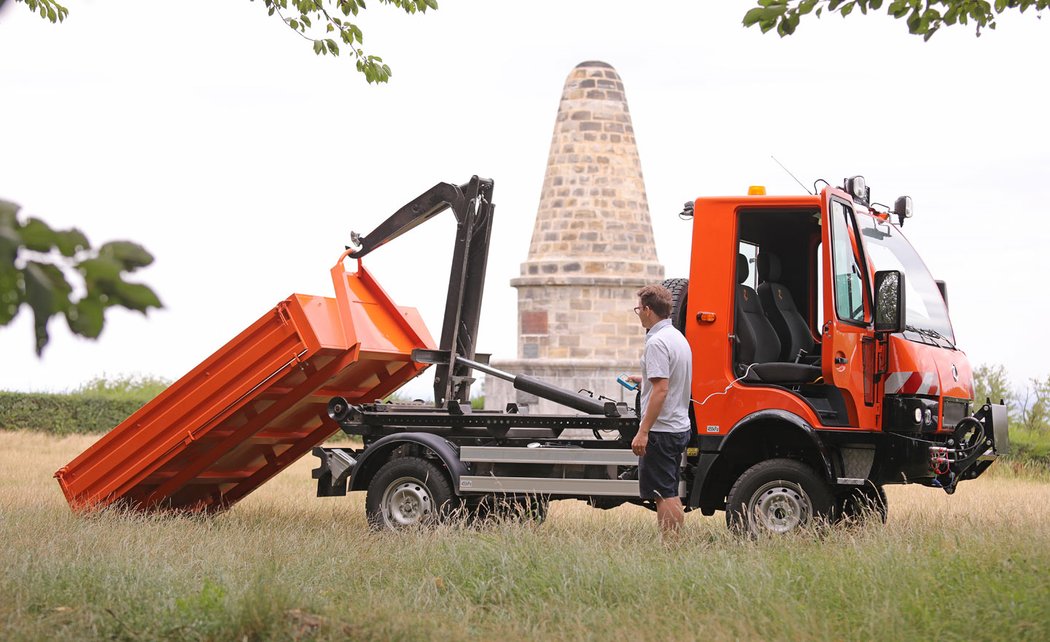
(791, 175)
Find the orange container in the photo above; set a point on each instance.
(256, 405)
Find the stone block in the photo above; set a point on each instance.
(534, 322)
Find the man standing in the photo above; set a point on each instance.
(664, 430)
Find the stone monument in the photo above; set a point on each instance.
(592, 248)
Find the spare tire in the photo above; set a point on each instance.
(679, 292)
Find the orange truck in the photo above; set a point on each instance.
(824, 368)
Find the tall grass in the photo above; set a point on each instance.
(285, 565)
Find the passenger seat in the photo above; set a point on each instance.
(779, 307)
(757, 342)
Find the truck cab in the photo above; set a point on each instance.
(819, 336)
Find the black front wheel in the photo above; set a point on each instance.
(406, 492)
(777, 496)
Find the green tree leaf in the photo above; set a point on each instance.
(130, 255)
(922, 17)
(12, 292)
(754, 16)
(135, 296)
(47, 294)
(10, 237)
(325, 13)
(69, 242)
(37, 236)
(99, 270)
(86, 318)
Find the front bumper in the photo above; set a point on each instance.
(943, 460)
(976, 443)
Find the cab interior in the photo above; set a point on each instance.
(777, 306)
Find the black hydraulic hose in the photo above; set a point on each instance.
(559, 395)
(541, 388)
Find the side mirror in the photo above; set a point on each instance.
(889, 301)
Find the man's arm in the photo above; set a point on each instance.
(656, 403)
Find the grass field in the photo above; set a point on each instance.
(285, 565)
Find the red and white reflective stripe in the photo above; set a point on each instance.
(912, 383)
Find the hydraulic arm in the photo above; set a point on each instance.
(472, 205)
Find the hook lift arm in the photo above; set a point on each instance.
(472, 205)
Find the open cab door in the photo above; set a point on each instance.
(848, 357)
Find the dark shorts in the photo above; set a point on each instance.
(660, 466)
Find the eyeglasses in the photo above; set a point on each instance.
(638, 308)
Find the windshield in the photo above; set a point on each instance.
(887, 249)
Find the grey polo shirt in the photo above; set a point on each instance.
(667, 356)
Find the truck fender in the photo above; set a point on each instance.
(375, 455)
(739, 432)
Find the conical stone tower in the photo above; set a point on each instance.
(592, 248)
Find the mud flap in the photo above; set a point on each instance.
(333, 471)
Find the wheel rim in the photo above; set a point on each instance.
(779, 507)
(406, 501)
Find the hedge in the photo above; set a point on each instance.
(64, 414)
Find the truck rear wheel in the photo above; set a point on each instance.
(777, 496)
(406, 492)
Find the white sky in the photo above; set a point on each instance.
(212, 135)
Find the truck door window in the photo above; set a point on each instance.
(849, 284)
(750, 251)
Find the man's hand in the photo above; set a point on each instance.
(635, 378)
(640, 441)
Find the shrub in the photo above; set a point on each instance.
(133, 388)
(95, 407)
(63, 414)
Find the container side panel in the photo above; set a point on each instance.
(254, 406)
(169, 422)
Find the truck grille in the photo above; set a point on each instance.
(954, 411)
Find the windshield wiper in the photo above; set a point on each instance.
(931, 334)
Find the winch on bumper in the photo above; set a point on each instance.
(942, 461)
(975, 444)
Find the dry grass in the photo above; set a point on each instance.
(284, 564)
